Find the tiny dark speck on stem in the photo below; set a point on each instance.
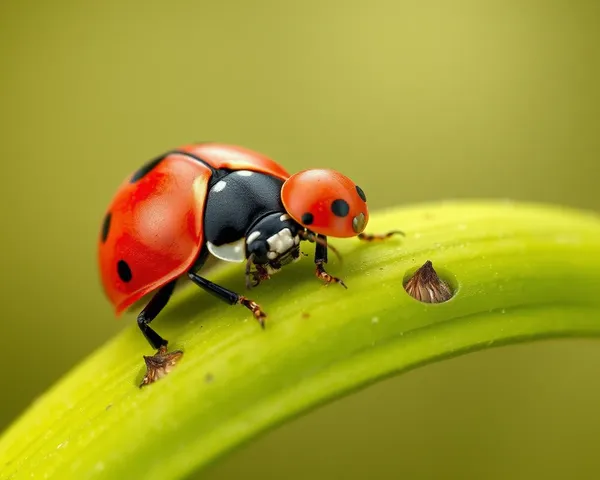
(426, 286)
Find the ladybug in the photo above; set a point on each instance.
(225, 201)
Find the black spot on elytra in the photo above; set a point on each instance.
(340, 207)
(145, 169)
(124, 271)
(307, 218)
(361, 193)
(106, 226)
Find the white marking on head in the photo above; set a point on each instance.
(281, 242)
(219, 186)
(253, 236)
(244, 173)
(230, 252)
(272, 255)
(284, 217)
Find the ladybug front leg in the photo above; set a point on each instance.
(255, 277)
(373, 237)
(160, 364)
(321, 259)
(229, 296)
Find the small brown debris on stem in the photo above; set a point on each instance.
(160, 365)
(427, 287)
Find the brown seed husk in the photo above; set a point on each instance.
(427, 287)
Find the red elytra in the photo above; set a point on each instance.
(156, 222)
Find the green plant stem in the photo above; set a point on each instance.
(521, 273)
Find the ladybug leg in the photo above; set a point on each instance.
(229, 296)
(321, 259)
(254, 277)
(374, 237)
(150, 312)
(160, 364)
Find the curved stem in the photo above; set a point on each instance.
(519, 273)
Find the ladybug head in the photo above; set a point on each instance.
(326, 202)
(273, 241)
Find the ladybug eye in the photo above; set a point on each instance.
(359, 223)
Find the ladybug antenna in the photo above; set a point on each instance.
(311, 237)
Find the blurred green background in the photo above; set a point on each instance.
(415, 101)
